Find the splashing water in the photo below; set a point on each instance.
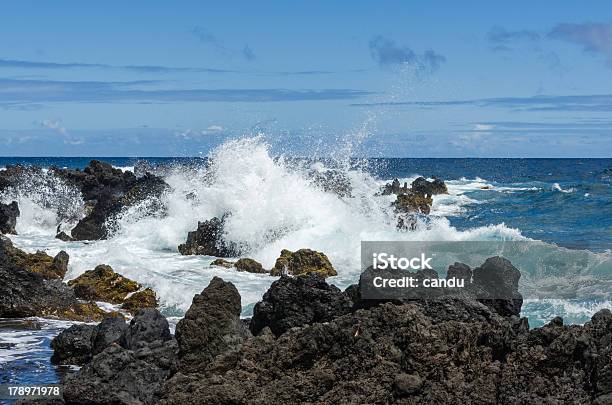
(273, 204)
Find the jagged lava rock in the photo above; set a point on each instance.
(139, 300)
(74, 345)
(211, 325)
(103, 284)
(222, 263)
(8, 217)
(131, 372)
(301, 262)
(207, 239)
(413, 202)
(24, 293)
(298, 301)
(423, 186)
(249, 265)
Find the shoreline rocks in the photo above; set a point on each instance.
(103, 284)
(8, 217)
(302, 262)
(317, 344)
(207, 240)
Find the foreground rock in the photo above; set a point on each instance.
(299, 301)
(129, 369)
(8, 217)
(211, 326)
(302, 262)
(207, 240)
(103, 284)
(25, 293)
(444, 350)
(449, 350)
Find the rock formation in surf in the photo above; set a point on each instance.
(208, 240)
(8, 217)
(302, 262)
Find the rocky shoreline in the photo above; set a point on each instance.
(307, 341)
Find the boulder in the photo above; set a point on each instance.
(63, 236)
(107, 191)
(139, 300)
(103, 284)
(211, 326)
(413, 202)
(147, 326)
(250, 266)
(292, 302)
(423, 186)
(73, 345)
(39, 262)
(222, 263)
(207, 240)
(8, 217)
(495, 283)
(122, 376)
(302, 262)
(333, 181)
(107, 332)
(394, 188)
(25, 293)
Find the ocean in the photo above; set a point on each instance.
(563, 205)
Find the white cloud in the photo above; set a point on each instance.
(55, 125)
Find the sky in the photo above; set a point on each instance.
(380, 79)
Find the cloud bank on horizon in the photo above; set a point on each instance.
(415, 80)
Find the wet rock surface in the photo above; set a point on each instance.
(414, 199)
(8, 217)
(129, 370)
(40, 262)
(103, 284)
(446, 350)
(207, 239)
(107, 191)
(292, 302)
(302, 262)
(249, 265)
(146, 298)
(25, 293)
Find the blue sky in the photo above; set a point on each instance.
(401, 79)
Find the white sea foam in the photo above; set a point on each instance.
(274, 204)
(557, 187)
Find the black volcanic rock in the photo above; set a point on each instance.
(207, 239)
(439, 351)
(211, 326)
(8, 217)
(25, 293)
(74, 345)
(107, 332)
(122, 376)
(108, 191)
(423, 186)
(299, 301)
(147, 326)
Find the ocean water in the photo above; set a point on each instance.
(564, 205)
